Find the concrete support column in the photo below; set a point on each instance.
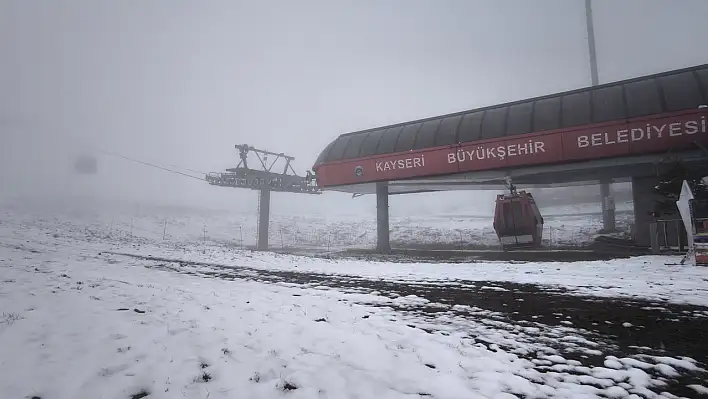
(644, 199)
(383, 244)
(608, 207)
(263, 218)
(654, 239)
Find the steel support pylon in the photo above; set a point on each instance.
(263, 219)
(383, 243)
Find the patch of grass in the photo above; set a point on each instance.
(288, 386)
(9, 318)
(203, 377)
(143, 393)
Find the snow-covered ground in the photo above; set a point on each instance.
(79, 320)
(82, 326)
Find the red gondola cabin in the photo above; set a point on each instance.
(517, 221)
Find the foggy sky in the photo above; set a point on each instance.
(177, 82)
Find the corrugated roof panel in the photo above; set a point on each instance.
(682, 89)
(354, 146)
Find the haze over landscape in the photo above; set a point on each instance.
(133, 282)
(178, 83)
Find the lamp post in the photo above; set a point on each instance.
(591, 43)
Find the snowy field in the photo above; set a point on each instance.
(90, 315)
(564, 226)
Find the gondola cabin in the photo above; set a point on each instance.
(517, 221)
(85, 165)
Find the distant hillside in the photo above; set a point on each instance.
(580, 194)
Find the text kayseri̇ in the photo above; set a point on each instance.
(405, 163)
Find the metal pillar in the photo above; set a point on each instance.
(608, 215)
(654, 238)
(383, 244)
(608, 207)
(263, 218)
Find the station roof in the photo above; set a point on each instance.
(648, 95)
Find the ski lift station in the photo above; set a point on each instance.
(627, 131)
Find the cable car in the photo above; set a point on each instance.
(517, 220)
(85, 164)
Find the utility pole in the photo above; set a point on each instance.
(608, 203)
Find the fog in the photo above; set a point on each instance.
(178, 83)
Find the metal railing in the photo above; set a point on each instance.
(669, 235)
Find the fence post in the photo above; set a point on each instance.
(205, 233)
(164, 230)
(654, 238)
(240, 230)
(282, 246)
(132, 221)
(678, 235)
(666, 236)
